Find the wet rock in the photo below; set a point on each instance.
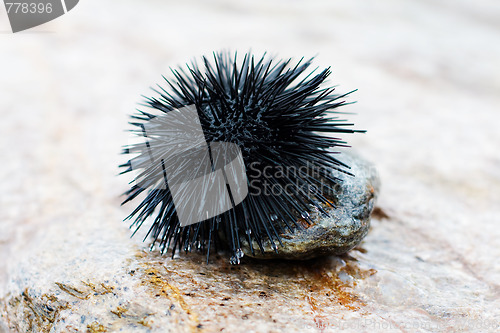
(346, 225)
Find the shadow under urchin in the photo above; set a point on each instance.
(281, 118)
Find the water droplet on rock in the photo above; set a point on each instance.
(234, 260)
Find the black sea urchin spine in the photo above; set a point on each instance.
(280, 118)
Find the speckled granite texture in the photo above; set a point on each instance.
(428, 80)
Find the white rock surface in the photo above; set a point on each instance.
(428, 78)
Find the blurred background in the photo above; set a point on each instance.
(428, 80)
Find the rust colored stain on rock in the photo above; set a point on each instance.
(255, 290)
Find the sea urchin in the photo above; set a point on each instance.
(282, 120)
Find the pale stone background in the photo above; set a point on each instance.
(428, 74)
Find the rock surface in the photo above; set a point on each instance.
(343, 229)
(428, 81)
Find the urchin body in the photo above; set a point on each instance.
(284, 123)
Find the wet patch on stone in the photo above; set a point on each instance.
(255, 289)
(380, 214)
(190, 295)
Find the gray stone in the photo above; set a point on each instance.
(346, 225)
